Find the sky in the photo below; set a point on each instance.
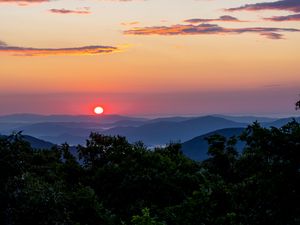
(150, 57)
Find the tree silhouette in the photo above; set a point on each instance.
(110, 181)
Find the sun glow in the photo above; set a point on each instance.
(98, 110)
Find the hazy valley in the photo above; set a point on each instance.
(45, 131)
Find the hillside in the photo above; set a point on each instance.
(197, 147)
(158, 131)
(163, 132)
(35, 143)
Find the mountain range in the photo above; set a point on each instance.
(75, 129)
(46, 131)
(197, 148)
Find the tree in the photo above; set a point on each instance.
(145, 219)
(114, 180)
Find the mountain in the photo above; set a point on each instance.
(60, 132)
(247, 119)
(170, 119)
(38, 143)
(280, 122)
(35, 142)
(57, 128)
(66, 138)
(35, 118)
(126, 123)
(197, 147)
(63, 125)
(158, 131)
(10, 126)
(163, 132)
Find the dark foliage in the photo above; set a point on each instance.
(114, 182)
(298, 105)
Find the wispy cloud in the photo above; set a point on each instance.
(205, 29)
(24, 2)
(130, 23)
(288, 5)
(83, 11)
(272, 35)
(224, 18)
(293, 17)
(272, 86)
(85, 50)
(28, 1)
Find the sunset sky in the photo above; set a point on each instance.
(150, 57)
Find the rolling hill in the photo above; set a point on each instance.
(35, 142)
(163, 132)
(158, 131)
(197, 147)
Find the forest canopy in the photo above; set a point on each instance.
(111, 182)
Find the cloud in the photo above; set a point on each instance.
(294, 17)
(288, 5)
(271, 35)
(68, 11)
(24, 2)
(2, 43)
(86, 50)
(202, 29)
(28, 2)
(130, 23)
(225, 18)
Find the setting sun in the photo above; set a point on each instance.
(98, 110)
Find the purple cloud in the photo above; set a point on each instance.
(224, 18)
(293, 17)
(271, 35)
(69, 11)
(85, 50)
(288, 5)
(205, 29)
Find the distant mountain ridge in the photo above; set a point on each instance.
(281, 122)
(163, 132)
(35, 142)
(248, 119)
(158, 131)
(197, 148)
(36, 118)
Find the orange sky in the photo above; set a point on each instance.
(121, 54)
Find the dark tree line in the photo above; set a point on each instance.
(113, 182)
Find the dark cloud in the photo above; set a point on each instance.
(202, 29)
(2, 43)
(86, 50)
(272, 35)
(69, 11)
(288, 5)
(293, 17)
(224, 18)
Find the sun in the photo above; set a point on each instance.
(98, 110)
